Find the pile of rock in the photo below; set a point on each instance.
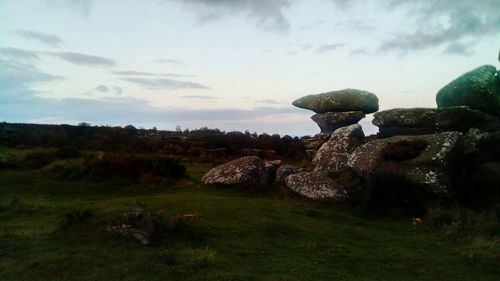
(432, 147)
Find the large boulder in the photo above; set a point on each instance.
(246, 171)
(331, 121)
(421, 121)
(334, 154)
(429, 160)
(316, 186)
(478, 89)
(339, 101)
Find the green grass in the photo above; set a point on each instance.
(238, 236)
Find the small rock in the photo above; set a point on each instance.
(316, 186)
(138, 225)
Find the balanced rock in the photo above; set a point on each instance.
(334, 154)
(478, 89)
(429, 160)
(247, 171)
(331, 121)
(420, 121)
(316, 186)
(339, 101)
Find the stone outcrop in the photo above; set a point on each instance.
(339, 101)
(330, 121)
(333, 154)
(429, 160)
(246, 171)
(316, 186)
(420, 121)
(478, 89)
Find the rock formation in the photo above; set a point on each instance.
(333, 154)
(478, 89)
(338, 108)
(420, 121)
(426, 159)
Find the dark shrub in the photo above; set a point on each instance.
(404, 150)
(166, 167)
(115, 167)
(67, 153)
(392, 193)
(36, 159)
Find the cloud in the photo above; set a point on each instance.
(102, 88)
(71, 57)
(168, 61)
(142, 73)
(82, 59)
(15, 75)
(201, 97)
(47, 39)
(164, 83)
(272, 101)
(329, 47)
(267, 14)
(452, 24)
(16, 53)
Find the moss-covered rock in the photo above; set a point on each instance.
(478, 89)
(339, 101)
(420, 121)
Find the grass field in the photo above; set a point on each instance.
(237, 236)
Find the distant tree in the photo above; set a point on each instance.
(84, 124)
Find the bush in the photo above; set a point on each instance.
(72, 169)
(166, 167)
(67, 153)
(37, 158)
(391, 193)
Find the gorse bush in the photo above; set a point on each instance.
(36, 158)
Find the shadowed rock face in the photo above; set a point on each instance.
(430, 160)
(283, 172)
(478, 89)
(316, 186)
(339, 101)
(331, 121)
(250, 170)
(333, 154)
(419, 121)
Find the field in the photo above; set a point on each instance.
(271, 235)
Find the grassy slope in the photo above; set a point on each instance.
(255, 236)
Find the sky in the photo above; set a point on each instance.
(229, 64)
